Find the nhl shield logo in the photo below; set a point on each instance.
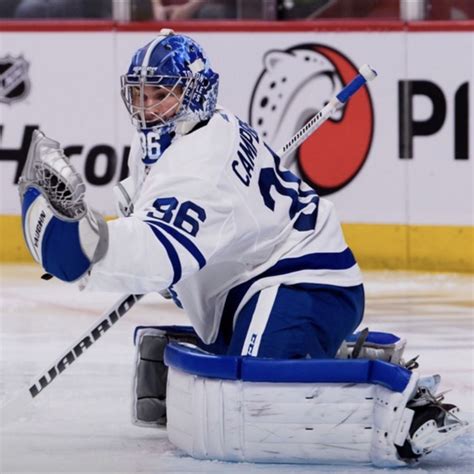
(14, 80)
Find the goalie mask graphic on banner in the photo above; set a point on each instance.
(295, 84)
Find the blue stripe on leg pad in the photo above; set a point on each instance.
(253, 369)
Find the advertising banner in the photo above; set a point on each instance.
(395, 160)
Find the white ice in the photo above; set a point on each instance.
(80, 423)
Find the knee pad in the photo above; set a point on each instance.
(373, 345)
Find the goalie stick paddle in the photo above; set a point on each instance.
(366, 73)
(16, 407)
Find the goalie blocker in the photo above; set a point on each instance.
(346, 410)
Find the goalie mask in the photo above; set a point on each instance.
(168, 89)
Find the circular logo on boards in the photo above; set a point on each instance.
(14, 80)
(294, 86)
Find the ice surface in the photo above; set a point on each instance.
(80, 423)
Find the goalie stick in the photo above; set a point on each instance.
(15, 407)
(366, 73)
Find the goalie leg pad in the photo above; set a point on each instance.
(258, 410)
(391, 423)
(149, 383)
(434, 423)
(336, 416)
(151, 373)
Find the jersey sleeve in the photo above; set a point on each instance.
(179, 224)
(183, 218)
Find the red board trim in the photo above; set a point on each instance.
(64, 26)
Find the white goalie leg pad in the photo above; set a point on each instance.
(265, 422)
(392, 422)
(233, 420)
(434, 423)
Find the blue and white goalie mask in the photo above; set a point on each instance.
(168, 89)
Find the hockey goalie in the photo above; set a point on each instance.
(269, 370)
(366, 405)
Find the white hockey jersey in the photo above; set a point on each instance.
(217, 218)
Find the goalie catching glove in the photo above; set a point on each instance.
(62, 234)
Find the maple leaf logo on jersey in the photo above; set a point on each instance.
(296, 84)
(14, 80)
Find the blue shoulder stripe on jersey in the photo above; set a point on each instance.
(254, 369)
(184, 241)
(172, 254)
(313, 261)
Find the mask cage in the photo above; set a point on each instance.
(133, 95)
